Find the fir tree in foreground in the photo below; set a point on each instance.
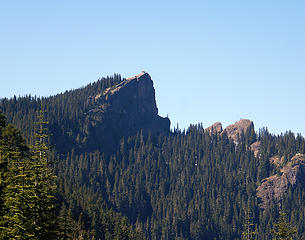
(43, 200)
(188, 184)
(16, 187)
(27, 186)
(27, 194)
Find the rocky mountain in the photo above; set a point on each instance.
(192, 184)
(234, 130)
(275, 187)
(241, 127)
(215, 128)
(255, 147)
(123, 110)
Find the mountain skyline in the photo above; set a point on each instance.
(209, 61)
(113, 153)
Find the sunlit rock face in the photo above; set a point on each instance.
(237, 129)
(216, 128)
(274, 188)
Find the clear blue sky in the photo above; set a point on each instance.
(210, 60)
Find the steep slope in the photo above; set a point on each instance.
(94, 117)
(193, 184)
(274, 188)
(123, 110)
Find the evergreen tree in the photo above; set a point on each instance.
(188, 184)
(27, 187)
(67, 227)
(16, 188)
(44, 188)
(282, 230)
(249, 232)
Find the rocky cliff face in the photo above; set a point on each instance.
(134, 96)
(215, 128)
(233, 130)
(125, 109)
(255, 147)
(274, 188)
(238, 128)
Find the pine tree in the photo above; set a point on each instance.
(43, 200)
(281, 229)
(27, 187)
(67, 226)
(249, 232)
(15, 185)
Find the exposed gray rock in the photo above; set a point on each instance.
(255, 147)
(277, 160)
(236, 129)
(275, 187)
(216, 128)
(125, 109)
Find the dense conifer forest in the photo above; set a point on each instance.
(182, 184)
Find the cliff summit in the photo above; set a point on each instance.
(124, 109)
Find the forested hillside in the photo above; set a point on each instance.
(117, 163)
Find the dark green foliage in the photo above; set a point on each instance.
(27, 188)
(66, 114)
(67, 226)
(183, 185)
(282, 230)
(249, 232)
(15, 186)
(42, 200)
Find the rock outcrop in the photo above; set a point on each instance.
(216, 128)
(255, 147)
(236, 129)
(277, 160)
(124, 109)
(274, 188)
